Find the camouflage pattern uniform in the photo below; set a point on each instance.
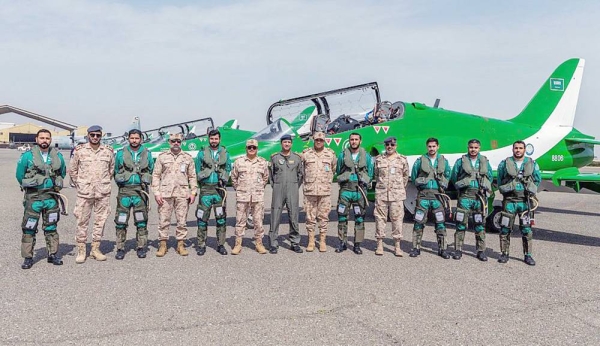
(39, 177)
(91, 171)
(391, 177)
(173, 179)
(133, 174)
(285, 176)
(249, 178)
(319, 168)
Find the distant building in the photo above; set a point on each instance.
(25, 133)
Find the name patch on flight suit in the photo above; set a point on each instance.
(326, 168)
(281, 161)
(183, 168)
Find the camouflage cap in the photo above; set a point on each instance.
(319, 135)
(94, 128)
(252, 141)
(390, 140)
(176, 136)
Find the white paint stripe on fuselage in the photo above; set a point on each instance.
(558, 125)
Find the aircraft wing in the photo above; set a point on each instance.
(573, 178)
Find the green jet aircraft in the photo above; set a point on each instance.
(545, 124)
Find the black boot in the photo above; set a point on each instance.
(54, 259)
(357, 250)
(27, 263)
(481, 256)
(296, 248)
(120, 254)
(221, 250)
(529, 260)
(503, 258)
(141, 252)
(273, 250)
(443, 254)
(341, 247)
(201, 250)
(414, 252)
(457, 255)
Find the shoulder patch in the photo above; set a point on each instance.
(109, 148)
(273, 154)
(79, 146)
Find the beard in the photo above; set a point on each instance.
(44, 145)
(214, 145)
(176, 149)
(134, 145)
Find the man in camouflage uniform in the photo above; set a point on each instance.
(391, 177)
(430, 174)
(354, 175)
(285, 176)
(518, 180)
(91, 170)
(319, 164)
(40, 173)
(133, 175)
(249, 176)
(472, 178)
(213, 166)
(174, 186)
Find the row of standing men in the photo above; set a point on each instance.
(177, 179)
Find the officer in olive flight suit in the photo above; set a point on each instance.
(285, 176)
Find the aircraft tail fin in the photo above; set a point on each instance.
(555, 102)
(135, 124)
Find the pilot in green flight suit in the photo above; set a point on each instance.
(430, 175)
(40, 172)
(472, 177)
(355, 168)
(518, 180)
(213, 167)
(133, 175)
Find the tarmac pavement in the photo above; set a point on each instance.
(317, 298)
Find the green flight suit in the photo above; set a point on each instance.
(39, 176)
(429, 178)
(469, 177)
(213, 168)
(133, 175)
(353, 171)
(517, 184)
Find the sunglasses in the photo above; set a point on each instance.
(252, 147)
(390, 144)
(175, 140)
(97, 135)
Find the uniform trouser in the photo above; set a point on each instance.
(351, 198)
(131, 198)
(285, 195)
(425, 203)
(209, 199)
(469, 205)
(317, 211)
(181, 206)
(257, 210)
(36, 203)
(515, 208)
(83, 212)
(396, 212)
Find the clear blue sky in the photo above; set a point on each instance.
(106, 61)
